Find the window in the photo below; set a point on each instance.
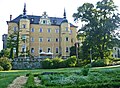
(72, 40)
(44, 21)
(15, 29)
(15, 38)
(23, 37)
(67, 49)
(48, 50)
(40, 50)
(66, 29)
(32, 39)
(40, 39)
(40, 30)
(49, 30)
(23, 48)
(57, 50)
(67, 38)
(32, 29)
(32, 50)
(48, 39)
(57, 31)
(32, 19)
(23, 25)
(57, 39)
(70, 31)
(14, 50)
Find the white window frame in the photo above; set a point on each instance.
(23, 25)
(24, 37)
(32, 30)
(40, 30)
(23, 48)
(57, 50)
(66, 29)
(15, 29)
(48, 39)
(67, 49)
(40, 39)
(56, 30)
(49, 30)
(58, 39)
(67, 39)
(32, 51)
(40, 49)
(49, 50)
(70, 31)
(32, 39)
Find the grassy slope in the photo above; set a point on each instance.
(6, 80)
(6, 77)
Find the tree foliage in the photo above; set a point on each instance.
(5, 53)
(99, 32)
(72, 51)
(13, 43)
(5, 63)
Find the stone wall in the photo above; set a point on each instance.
(26, 63)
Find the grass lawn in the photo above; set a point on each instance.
(6, 77)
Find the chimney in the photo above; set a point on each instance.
(10, 17)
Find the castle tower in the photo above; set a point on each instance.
(64, 15)
(24, 31)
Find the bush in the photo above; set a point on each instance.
(85, 70)
(63, 64)
(56, 62)
(5, 63)
(71, 61)
(30, 82)
(81, 62)
(98, 63)
(1, 68)
(47, 63)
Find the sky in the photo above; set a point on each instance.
(54, 8)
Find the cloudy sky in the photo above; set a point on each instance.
(54, 8)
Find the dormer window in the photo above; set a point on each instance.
(23, 25)
(32, 19)
(15, 29)
(45, 19)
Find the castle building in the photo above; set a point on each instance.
(43, 34)
(116, 52)
(4, 39)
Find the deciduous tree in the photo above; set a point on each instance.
(101, 22)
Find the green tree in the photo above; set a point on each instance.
(5, 53)
(101, 22)
(5, 63)
(13, 43)
(72, 51)
(25, 40)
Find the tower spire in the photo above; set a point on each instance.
(24, 10)
(64, 13)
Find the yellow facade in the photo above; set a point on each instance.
(44, 36)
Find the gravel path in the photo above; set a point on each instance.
(18, 82)
(37, 81)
